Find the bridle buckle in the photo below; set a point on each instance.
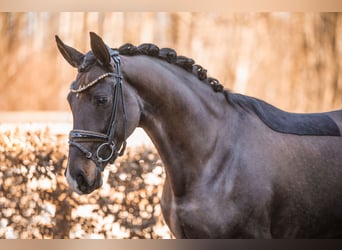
(89, 155)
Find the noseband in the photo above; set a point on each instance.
(77, 136)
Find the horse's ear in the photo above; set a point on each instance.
(100, 49)
(73, 57)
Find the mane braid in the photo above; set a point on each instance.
(170, 55)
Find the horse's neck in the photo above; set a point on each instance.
(180, 115)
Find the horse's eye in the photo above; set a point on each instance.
(101, 100)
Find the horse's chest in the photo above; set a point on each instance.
(190, 218)
(214, 215)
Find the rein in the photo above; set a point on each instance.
(78, 136)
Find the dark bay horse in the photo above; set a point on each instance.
(236, 167)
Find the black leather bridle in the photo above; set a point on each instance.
(108, 141)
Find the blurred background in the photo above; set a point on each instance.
(291, 60)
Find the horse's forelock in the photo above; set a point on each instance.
(88, 61)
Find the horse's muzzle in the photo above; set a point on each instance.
(82, 183)
(85, 186)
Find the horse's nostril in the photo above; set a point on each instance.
(82, 182)
(80, 179)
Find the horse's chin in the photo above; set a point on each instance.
(88, 191)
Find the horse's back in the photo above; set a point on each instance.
(311, 124)
(316, 124)
(337, 117)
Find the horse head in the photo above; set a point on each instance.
(105, 113)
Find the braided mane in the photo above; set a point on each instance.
(171, 56)
(274, 118)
